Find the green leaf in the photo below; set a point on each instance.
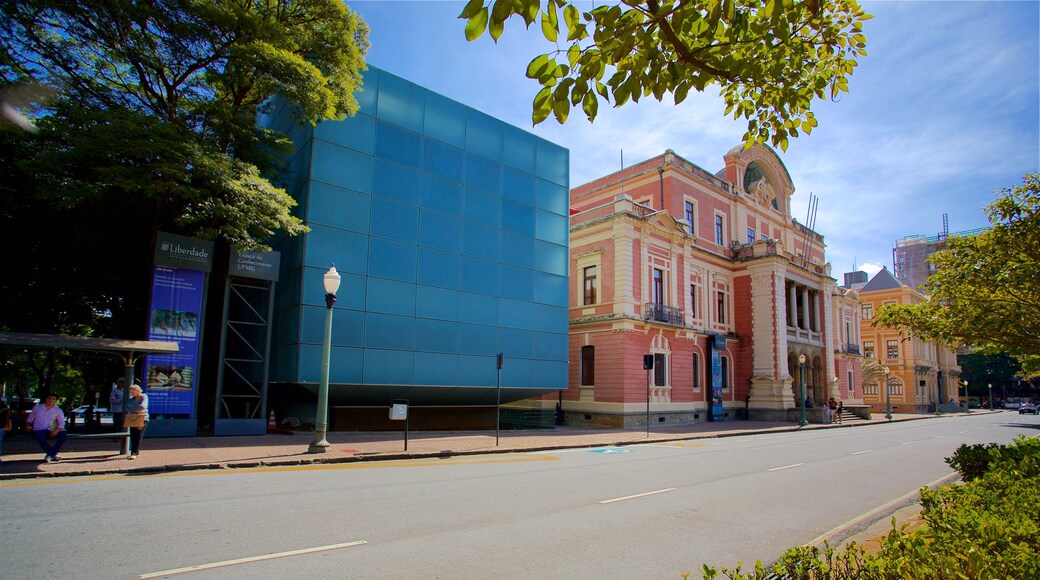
(561, 109)
(471, 9)
(542, 105)
(574, 54)
(538, 66)
(590, 104)
(549, 24)
(476, 25)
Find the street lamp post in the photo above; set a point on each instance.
(991, 396)
(967, 398)
(321, 421)
(888, 397)
(801, 376)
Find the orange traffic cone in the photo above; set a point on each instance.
(271, 424)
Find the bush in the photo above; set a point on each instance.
(987, 528)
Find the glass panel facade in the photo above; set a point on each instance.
(450, 230)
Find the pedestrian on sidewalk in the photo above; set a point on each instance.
(47, 421)
(5, 424)
(136, 418)
(115, 404)
(837, 413)
(832, 406)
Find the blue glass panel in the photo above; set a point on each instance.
(517, 250)
(478, 371)
(395, 220)
(442, 195)
(479, 276)
(520, 373)
(348, 326)
(517, 343)
(445, 120)
(518, 186)
(550, 289)
(479, 339)
(389, 259)
(517, 283)
(337, 207)
(484, 135)
(550, 346)
(327, 246)
(438, 268)
(369, 92)
(436, 369)
(443, 160)
(386, 367)
(397, 182)
(357, 132)
(516, 314)
(552, 197)
(553, 162)
(483, 173)
(483, 207)
(440, 303)
(518, 217)
(550, 258)
(398, 145)
(550, 375)
(480, 241)
(285, 362)
(519, 149)
(440, 231)
(391, 297)
(550, 227)
(341, 167)
(479, 309)
(344, 364)
(386, 331)
(286, 327)
(436, 335)
(401, 102)
(550, 318)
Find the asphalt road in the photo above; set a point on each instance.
(651, 511)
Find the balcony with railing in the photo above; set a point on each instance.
(852, 348)
(662, 313)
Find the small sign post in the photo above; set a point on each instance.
(399, 412)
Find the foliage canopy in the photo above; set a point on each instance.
(770, 59)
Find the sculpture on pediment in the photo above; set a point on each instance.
(762, 191)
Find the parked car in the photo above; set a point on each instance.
(1027, 408)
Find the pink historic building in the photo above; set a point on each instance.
(711, 277)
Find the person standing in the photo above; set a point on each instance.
(136, 418)
(47, 421)
(832, 406)
(115, 403)
(5, 424)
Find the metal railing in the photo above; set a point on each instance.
(662, 313)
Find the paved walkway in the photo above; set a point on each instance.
(23, 459)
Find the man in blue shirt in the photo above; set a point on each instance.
(46, 421)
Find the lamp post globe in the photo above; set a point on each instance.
(321, 420)
(990, 396)
(888, 397)
(801, 376)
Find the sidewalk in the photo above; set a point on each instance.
(23, 459)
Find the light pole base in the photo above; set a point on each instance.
(321, 446)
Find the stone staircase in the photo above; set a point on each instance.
(850, 418)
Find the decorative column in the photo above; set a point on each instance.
(792, 306)
(805, 308)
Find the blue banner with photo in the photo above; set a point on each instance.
(716, 386)
(176, 317)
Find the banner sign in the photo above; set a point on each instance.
(716, 385)
(256, 265)
(176, 317)
(183, 252)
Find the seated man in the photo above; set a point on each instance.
(47, 421)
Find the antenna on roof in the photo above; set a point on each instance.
(810, 224)
(853, 263)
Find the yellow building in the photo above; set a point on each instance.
(921, 373)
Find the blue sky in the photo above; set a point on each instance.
(943, 111)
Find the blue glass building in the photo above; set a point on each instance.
(449, 228)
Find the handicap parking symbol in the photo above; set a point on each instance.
(608, 450)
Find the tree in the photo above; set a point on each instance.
(155, 128)
(770, 58)
(984, 289)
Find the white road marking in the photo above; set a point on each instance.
(909, 443)
(252, 559)
(963, 431)
(638, 495)
(862, 452)
(787, 466)
(940, 436)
